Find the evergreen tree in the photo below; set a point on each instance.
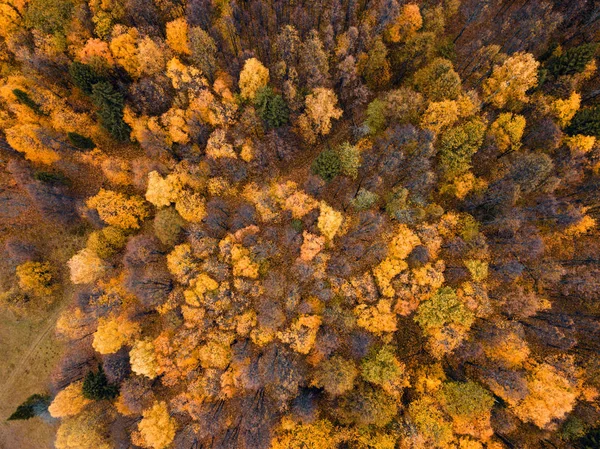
(110, 103)
(572, 61)
(271, 107)
(586, 122)
(34, 405)
(97, 387)
(24, 98)
(84, 76)
(81, 142)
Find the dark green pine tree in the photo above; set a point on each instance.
(327, 165)
(24, 98)
(271, 107)
(81, 142)
(84, 76)
(97, 387)
(572, 61)
(110, 104)
(586, 122)
(34, 405)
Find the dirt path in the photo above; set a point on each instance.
(51, 322)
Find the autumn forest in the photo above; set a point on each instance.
(292, 224)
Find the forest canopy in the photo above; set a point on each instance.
(290, 225)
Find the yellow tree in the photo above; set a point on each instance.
(408, 22)
(125, 52)
(83, 431)
(25, 138)
(86, 267)
(551, 395)
(507, 131)
(253, 77)
(143, 358)
(320, 109)
(119, 210)
(157, 428)
(69, 402)
(510, 81)
(113, 333)
(177, 36)
(565, 110)
(36, 278)
(330, 221)
(317, 435)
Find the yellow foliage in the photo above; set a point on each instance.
(253, 77)
(300, 204)
(142, 358)
(157, 428)
(177, 36)
(302, 334)
(580, 144)
(69, 402)
(377, 319)
(201, 285)
(162, 191)
(565, 110)
(36, 278)
(408, 22)
(510, 81)
(440, 115)
(82, 431)
(113, 333)
(320, 109)
(214, 355)
(583, 226)
(176, 125)
(25, 139)
(191, 206)
(317, 435)
(402, 243)
(86, 267)
(125, 53)
(387, 270)
(151, 57)
(242, 263)
(550, 396)
(119, 210)
(329, 221)
(183, 76)
(507, 130)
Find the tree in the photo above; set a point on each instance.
(83, 431)
(203, 50)
(106, 242)
(327, 165)
(317, 435)
(350, 159)
(110, 105)
(96, 386)
(438, 81)
(253, 77)
(84, 76)
(168, 226)
(24, 98)
(119, 210)
(565, 110)
(507, 131)
(34, 405)
(510, 81)
(585, 122)
(572, 61)
(69, 401)
(329, 221)
(81, 142)
(48, 16)
(375, 67)
(408, 22)
(113, 333)
(458, 145)
(36, 278)
(321, 108)
(86, 267)
(551, 396)
(177, 36)
(381, 367)
(336, 375)
(143, 358)
(365, 406)
(441, 309)
(157, 428)
(271, 107)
